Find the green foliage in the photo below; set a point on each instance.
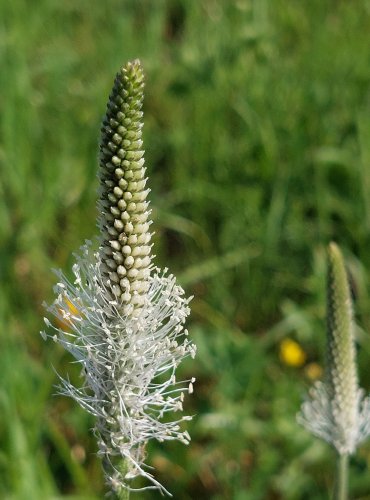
(257, 137)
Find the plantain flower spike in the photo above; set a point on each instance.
(337, 410)
(121, 318)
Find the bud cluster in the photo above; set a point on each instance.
(124, 215)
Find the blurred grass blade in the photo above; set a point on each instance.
(215, 265)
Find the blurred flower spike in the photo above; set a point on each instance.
(337, 410)
(128, 329)
(291, 353)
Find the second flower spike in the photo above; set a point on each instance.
(336, 410)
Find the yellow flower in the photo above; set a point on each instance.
(291, 353)
(64, 321)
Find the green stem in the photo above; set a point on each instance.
(341, 492)
(123, 493)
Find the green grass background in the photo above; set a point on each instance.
(257, 138)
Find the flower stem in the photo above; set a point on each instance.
(123, 493)
(341, 492)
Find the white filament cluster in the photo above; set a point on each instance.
(128, 362)
(343, 426)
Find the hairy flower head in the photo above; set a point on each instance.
(337, 410)
(121, 318)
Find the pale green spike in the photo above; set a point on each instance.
(336, 410)
(124, 217)
(341, 371)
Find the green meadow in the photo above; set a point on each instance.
(257, 140)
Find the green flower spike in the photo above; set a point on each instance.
(337, 410)
(124, 215)
(123, 318)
